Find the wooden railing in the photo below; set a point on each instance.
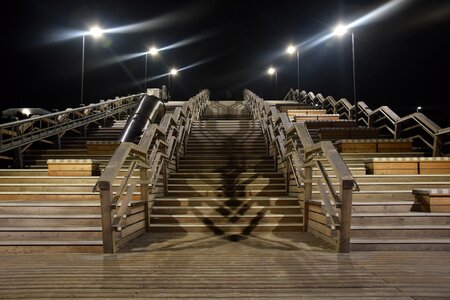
(158, 146)
(19, 135)
(295, 147)
(416, 126)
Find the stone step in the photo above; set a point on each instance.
(400, 244)
(218, 193)
(226, 211)
(401, 218)
(231, 174)
(50, 232)
(402, 231)
(51, 245)
(223, 187)
(212, 201)
(382, 207)
(225, 181)
(218, 220)
(227, 228)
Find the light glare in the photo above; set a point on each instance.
(153, 51)
(340, 30)
(96, 31)
(291, 49)
(271, 71)
(173, 72)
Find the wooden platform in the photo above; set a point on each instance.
(269, 266)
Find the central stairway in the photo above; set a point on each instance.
(226, 183)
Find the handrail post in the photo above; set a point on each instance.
(109, 244)
(143, 176)
(346, 217)
(437, 145)
(308, 194)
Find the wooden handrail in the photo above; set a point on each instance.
(289, 140)
(157, 146)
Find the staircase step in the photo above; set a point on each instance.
(226, 201)
(400, 244)
(403, 231)
(226, 228)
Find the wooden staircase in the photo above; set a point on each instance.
(226, 183)
(41, 213)
(384, 213)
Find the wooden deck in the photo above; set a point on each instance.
(278, 265)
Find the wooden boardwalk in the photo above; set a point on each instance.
(278, 265)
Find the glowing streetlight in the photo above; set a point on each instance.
(291, 50)
(152, 51)
(95, 32)
(272, 71)
(172, 72)
(419, 108)
(340, 30)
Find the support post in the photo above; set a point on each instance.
(346, 218)
(109, 243)
(143, 174)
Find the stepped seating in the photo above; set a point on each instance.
(42, 213)
(226, 183)
(374, 145)
(386, 214)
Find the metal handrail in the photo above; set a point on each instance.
(158, 145)
(21, 133)
(415, 126)
(289, 140)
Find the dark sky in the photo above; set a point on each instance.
(402, 56)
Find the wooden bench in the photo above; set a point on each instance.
(408, 165)
(432, 200)
(305, 118)
(348, 133)
(317, 124)
(73, 167)
(374, 145)
(101, 147)
(292, 113)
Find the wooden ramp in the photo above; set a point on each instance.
(195, 265)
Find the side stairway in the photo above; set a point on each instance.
(226, 183)
(42, 213)
(385, 215)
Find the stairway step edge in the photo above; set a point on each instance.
(373, 240)
(402, 227)
(50, 228)
(50, 242)
(53, 216)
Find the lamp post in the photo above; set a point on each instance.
(419, 108)
(172, 72)
(340, 30)
(96, 32)
(272, 71)
(290, 50)
(152, 51)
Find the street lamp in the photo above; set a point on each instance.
(96, 32)
(290, 50)
(272, 71)
(419, 108)
(152, 51)
(172, 72)
(340, 30)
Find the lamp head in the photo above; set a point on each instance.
(291, 49)
(153, 51)
(340, 30)
(271, 71)
(96, 32)
(173, 72)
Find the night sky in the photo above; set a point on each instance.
(402, 55)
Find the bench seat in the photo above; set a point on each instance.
(432, 200)
(374, 145)
(407, 165)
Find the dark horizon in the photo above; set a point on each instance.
(401, 55)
